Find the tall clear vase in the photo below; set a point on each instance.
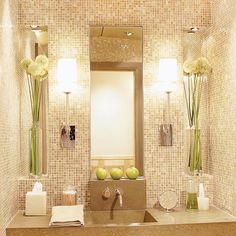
(194, 151)
(35, 150)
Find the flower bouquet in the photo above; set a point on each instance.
(37, 72)
(196, 72)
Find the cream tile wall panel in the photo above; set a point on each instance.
(68, 23)
(9, 111)
(222, 51)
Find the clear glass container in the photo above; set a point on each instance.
(192, 204)
(69, 196)
(194, 151)
(35, 150)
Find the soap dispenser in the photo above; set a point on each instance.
(192, 204)
(203, 202)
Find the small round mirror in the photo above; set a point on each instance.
(168, 200)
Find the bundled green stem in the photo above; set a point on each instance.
(193, 91)
(35, 149)
(35, 91)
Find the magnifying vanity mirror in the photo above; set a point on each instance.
(116, 97)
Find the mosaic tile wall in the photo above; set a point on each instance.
(115, 49)
(9, 111)
(221, 49)
(68, 23)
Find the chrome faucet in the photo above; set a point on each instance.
(119, 196)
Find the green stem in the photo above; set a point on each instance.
(30, 91)
(193, 101)
(36, 100)
(187, 102)
(39, 99)
(34, 149)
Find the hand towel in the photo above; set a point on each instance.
(67, 216)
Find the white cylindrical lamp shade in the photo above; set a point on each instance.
(168, 73)
(67, 73)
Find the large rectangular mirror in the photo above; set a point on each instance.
(116, 97)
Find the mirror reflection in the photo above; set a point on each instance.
(116, 98)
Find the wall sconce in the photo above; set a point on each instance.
(168, 73)
(66, 76)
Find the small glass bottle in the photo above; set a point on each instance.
(69, 196)
(192, 204)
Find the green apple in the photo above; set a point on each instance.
(116, 173)
(132, 173)
(101, 173)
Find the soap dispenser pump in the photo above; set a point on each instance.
(192, 204)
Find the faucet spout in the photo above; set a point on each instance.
(119, 196)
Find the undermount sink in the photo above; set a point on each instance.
(124, 217)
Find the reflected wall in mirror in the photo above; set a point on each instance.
(116, 98)
(34, 43)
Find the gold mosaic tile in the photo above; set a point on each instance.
(68, 23)
(221, 52)
(163, 23)
(10, 76)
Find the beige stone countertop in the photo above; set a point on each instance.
(178, 216)
(181, 216)
(214, 222)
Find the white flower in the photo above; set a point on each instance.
(35, 69)
(199, 66)
(44, 73)
(202, 66)
(25, 63)
(42, 61)
(42, 76)
(189, 66)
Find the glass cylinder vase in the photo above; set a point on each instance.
(194, 152)
(35, 149)
(191, 204)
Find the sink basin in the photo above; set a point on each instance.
(124, 217)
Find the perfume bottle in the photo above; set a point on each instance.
(192, 204)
